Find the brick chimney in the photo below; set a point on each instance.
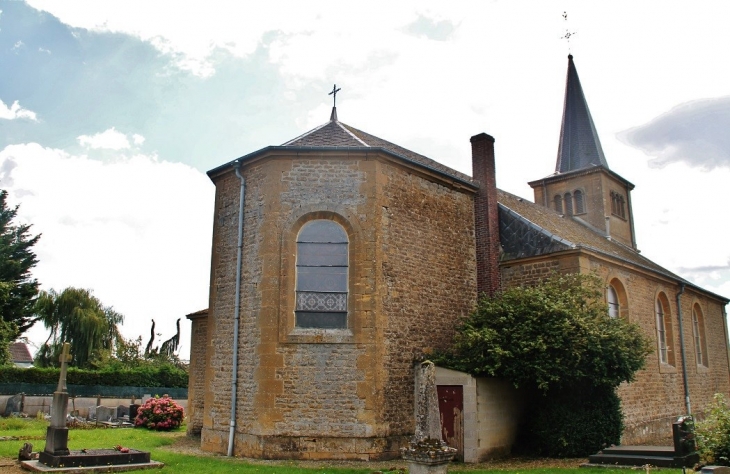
(486, 220)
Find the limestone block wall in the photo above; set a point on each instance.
(426, 280)
(196, 379)
(656, 397)
(336, 393)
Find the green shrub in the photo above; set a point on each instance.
(571, 422)
(713, 433)
(163, 375)
(161, 414)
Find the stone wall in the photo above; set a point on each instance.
(428, 278)
(656, 397)
(196, 378)
(336, 393)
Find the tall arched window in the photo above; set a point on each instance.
(580, 206)
(664, 330)
(321, 287)
(698, 328)
(614, 309)
(558, 203)
(568, 204)
(618, 303)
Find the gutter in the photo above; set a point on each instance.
(237, 310)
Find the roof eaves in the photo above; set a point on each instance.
(368, 149)
(555, 177)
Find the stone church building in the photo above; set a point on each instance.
(339, 259)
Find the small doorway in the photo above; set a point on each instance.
(451, 408)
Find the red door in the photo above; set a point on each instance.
(451, 407)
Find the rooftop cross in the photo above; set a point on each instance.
(568, 33)
(333, 93)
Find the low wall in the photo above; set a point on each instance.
(492, 412)
(32, 404)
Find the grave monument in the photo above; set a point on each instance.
(427, 453)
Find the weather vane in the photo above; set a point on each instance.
(568, 33)
(334, 92)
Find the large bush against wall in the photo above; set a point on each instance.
(553, 338)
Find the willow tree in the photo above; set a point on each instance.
(79, 318)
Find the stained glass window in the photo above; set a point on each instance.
(322, 264)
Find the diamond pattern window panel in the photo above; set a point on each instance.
(313, 301)
(322, 275)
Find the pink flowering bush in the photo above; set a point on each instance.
(161, 414)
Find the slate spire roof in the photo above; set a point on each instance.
(579, 145)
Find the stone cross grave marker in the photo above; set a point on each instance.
(57, 433)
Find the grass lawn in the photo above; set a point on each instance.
(173, 448)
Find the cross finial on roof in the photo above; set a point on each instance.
(333, 93)
(568, 33)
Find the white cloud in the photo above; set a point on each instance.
(109, 139)
(137, 139)
(15, 111)
(694, 133)
(136, 230)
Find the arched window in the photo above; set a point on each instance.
(698, 327)
(614, 309)
(568, 204)
(618, 205)
(618, 304)
(580, 206)
(664, 330)
(558, 203)
(321, 287)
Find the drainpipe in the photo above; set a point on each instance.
(237, 311)
(631, 216)
(724, 329)
(681, 345)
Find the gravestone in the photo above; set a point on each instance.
(106, 413)
(14, 405)
(122, 411)
(92, 413)
(427, 453)
(133, 408)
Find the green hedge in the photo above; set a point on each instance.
(571, 422)
(153, 376)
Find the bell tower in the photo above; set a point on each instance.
(583, 187)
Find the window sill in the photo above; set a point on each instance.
(702, 369)
(320, 336)
(665, 368)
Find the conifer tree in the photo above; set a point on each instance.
(18, 289)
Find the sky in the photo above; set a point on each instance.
(112, 112)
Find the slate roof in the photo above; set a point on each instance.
(579, 146)
(337, 134)
(19, 353)
(528, 230)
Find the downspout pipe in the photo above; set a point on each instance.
(687, 404)
(237, 310)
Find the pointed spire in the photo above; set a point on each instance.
(333, 115)
(579, 145)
